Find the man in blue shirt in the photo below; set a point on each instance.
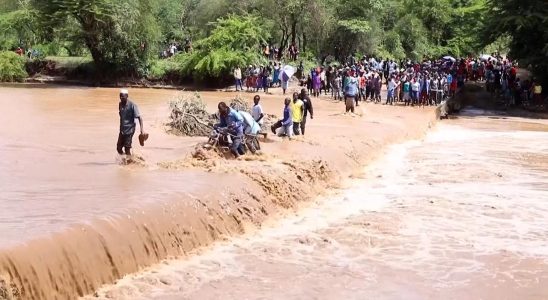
(449, 79)
(233, 122)
(286, 123)
(350, 94)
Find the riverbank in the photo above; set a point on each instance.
(214, 200)
(63, 80)
(80, 71)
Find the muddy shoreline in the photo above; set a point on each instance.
(235, 196)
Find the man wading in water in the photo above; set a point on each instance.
(128, 113)
(307, 109)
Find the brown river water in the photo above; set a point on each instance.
(58, 167)
(461, 214)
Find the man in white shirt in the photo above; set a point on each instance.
(323, 81)
(415, 88)
(257, 111)
(238, 78)
(435, 88)
(391, 68)
(172, 49)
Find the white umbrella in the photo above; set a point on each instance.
(288, 72)
(451, 58)
(486, 57)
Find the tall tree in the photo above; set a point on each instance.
(18, 25)
(526, 22)
(234, 41)
(120, 35)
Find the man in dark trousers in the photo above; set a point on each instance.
(128, 113)
(307, 109)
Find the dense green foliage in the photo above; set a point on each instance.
(526, 23)
(12, 67)
(18, 23)
(124, 37)
(233, 42)
(118, 34)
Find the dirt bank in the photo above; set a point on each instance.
(226, 198)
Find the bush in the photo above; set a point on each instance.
(235, 41)
(8, 43)
(189, 116)
(12, 67)
(50, 49)
(162, 69)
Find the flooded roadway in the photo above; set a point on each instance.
(460, 215)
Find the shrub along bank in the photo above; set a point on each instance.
(12, 67)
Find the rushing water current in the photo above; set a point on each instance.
(462, 214)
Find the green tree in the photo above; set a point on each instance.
(461, 36)
(10, 5)
(123, 35)
(18, 25)
(393, 46)
(120, 35)
(12, 67)
(526, 23)
(434, 15)
(414, 36)
(169, 17)
(234, 41)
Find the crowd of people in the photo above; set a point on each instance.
(407, 82)
(260, 78)
(503, 82)
(414, 84)
(411, 83)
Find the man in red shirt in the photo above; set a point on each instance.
(513, 71)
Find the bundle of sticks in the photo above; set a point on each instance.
(189, 116)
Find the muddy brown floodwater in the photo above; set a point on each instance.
(460, 213)
(57, 163)
(73, 219)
